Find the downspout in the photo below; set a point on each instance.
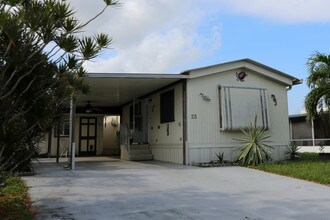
(184, 118)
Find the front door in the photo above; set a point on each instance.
(87, 136)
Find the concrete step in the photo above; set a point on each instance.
(139, 146)
(140, 152)
(137, 152)
(141, 157)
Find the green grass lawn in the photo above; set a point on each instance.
(307, 167)
(14, 200)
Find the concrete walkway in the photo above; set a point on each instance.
(115, 189)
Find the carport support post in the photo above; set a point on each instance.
(58, 142)
(73, 163)
(71, 134)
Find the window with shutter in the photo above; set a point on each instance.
(240, 105)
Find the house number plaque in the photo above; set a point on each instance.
(193, 116)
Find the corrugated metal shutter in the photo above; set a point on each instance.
(240, 105)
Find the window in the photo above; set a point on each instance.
(167, 106)
(64, 129)
(240, 105)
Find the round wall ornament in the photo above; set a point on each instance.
(241, 76)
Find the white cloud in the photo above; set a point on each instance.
(158, 52)
(290, 11)
(150, 35)
(167, 36)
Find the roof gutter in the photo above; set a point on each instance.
(295, 82)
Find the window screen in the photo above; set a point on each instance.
(64, 129)
(240, 105)
(167, 106)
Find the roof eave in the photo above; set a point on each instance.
(136, 76)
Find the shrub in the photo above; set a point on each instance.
(254, 149)
(220, 157)
(293, 151)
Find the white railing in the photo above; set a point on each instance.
(314, 142)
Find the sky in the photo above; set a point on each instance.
(168, 36)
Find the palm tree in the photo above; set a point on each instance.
(319, 83)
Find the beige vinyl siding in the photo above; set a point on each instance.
(166, 139)
(205, 137)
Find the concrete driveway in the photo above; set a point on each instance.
(114, 189)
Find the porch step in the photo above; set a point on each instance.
(140, 152)
(141, 157)
(139, 147)
(137, 152)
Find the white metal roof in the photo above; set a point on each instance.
(247, 64)
(116, 89)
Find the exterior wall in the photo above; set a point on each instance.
(64, 140)
(110, 144)
(166, 147)
(203, 121)
(125, 115)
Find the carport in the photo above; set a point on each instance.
(108, 93)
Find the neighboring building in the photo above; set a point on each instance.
(305, 132)
(182, 118)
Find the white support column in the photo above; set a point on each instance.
(291, 132)
(72, 131)
(313, 135)
(73, 157)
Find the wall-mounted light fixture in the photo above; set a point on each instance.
(205, 98)
(114, 122)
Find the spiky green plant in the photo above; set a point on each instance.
(220, 157)
(42, 57)
(293, 151)
(254, 149)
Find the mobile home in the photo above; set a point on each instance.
(180, 118)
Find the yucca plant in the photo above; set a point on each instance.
(254, 149)
(220, 157)
(293, 151)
